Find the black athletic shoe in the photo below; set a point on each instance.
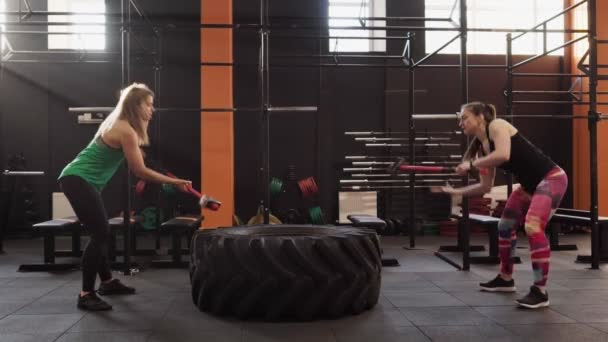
(115, 287)
(498, 285)
(91, 302)
(534, 299)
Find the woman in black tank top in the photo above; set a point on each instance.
(497, 144)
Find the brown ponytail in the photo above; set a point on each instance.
(489, 113)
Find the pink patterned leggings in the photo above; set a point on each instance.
(534, 211)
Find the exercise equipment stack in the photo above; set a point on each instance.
(293, 200)
(383, 167)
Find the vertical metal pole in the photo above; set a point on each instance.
(11, 187)
(267, 106)
(265, 115)
(123, 80)
(157, 91)
(126, 79)
(262, 161)
(50, 176)
(464, 93)
(158, 64)
(3, 222)
(509, 94)
(7, 211)
(125, 21)
(545, 38)
(593, 120)
(319, 125)
(412, 140)
(51, 179)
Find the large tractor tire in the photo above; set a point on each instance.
(285, 272)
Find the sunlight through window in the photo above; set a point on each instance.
(77, 37)
(354, 9)
(512, 14)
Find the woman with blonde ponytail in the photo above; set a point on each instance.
(498, 144)
(119, 137)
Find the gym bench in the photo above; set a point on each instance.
(491, 224)
(178, 227)
(67, 226)
(49, 230)
(582, 218)
(376, 224)
(117, 227)
(561, 217)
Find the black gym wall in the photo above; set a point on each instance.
(362, 99)
(35, 97)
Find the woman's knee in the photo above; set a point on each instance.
(533, 226)
(505, 227)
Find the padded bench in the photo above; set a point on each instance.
(376, 224)
(561, 217)
(178, 227)
(582, 218)
(117, 227)
(491, 224)
(66, 226)
(49, 230)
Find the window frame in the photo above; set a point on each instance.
(78, 37)
(540, 13)
(3, 41)
(375, 8)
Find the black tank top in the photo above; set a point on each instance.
(527, 162)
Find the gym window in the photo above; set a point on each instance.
(353, 9)
(512, 14)
(2, 27)
(81, 37)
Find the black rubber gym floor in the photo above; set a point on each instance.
(423, 299)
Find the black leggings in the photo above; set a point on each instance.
(88, 206)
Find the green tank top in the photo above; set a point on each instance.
(96, 164)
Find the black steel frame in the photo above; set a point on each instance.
(264, 26)
(589, 71)
(125, 24)
(593, 117)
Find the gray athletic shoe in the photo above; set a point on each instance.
(91, 302)
(534, 299)
(498, 285)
